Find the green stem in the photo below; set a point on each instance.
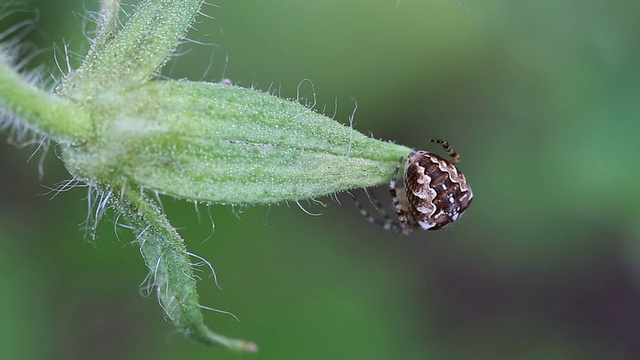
(41, 112)
(130, 56)
(166, 257)
(108, 25)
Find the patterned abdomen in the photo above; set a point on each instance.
(437, 193)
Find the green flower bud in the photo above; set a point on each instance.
(216, 143)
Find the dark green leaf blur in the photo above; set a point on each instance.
(541, 99)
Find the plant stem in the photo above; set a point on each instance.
(39, 111)
(167, 258)
(130, 56)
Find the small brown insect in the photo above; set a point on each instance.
(434, 194)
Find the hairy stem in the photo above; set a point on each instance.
(39, 111)
(166, 257)
(131, 55)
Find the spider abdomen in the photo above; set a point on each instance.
(437, 193)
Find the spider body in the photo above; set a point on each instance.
(434, 193)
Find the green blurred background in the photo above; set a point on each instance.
(542, 101)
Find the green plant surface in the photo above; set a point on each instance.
(219, 144)
(124, 135)
(56, 117)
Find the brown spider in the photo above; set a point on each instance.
(434, 193)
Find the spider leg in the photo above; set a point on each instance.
(373, 199)
(400, 211)
(384, 222)
(455, 158)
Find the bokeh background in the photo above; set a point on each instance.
(542, 101)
